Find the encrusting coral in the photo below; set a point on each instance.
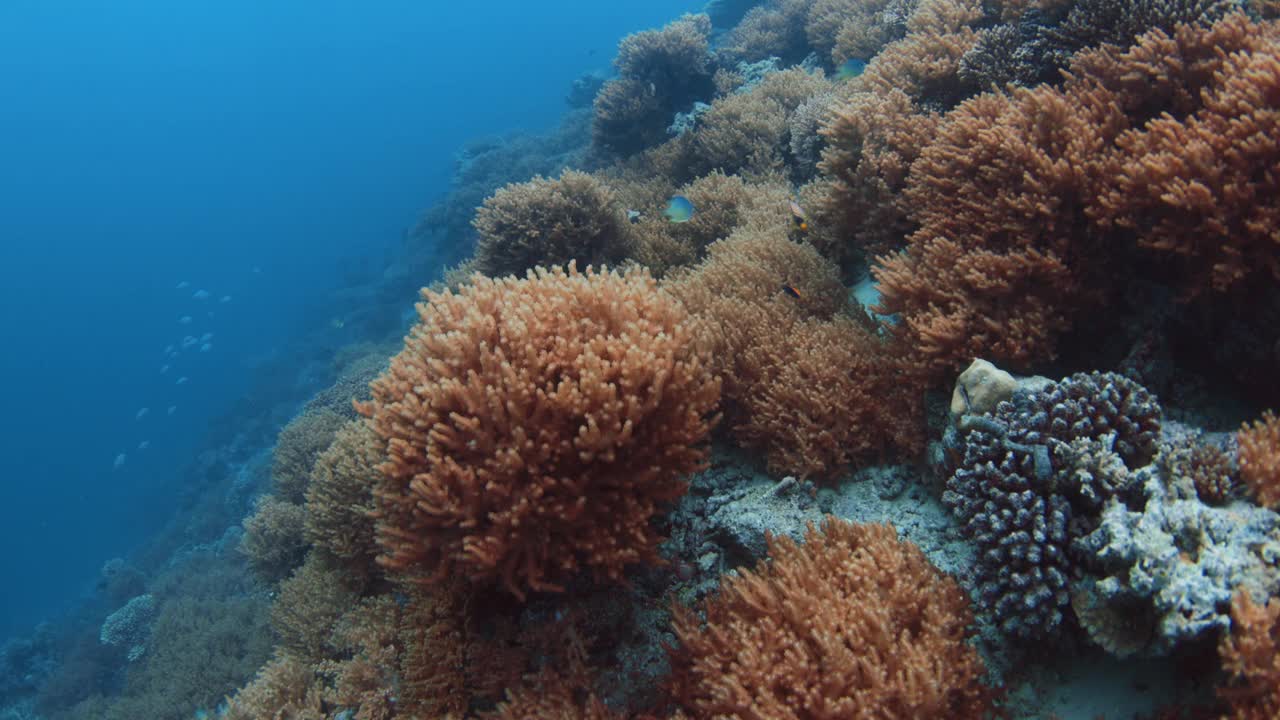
(550, 222)
(854, 623)
(534, 427)
(1260, 458)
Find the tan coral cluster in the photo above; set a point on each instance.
(534, 427)
(660, 72)
(722, 203)
(550, 221)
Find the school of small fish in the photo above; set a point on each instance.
(172, 355)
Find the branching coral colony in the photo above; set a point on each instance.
(530, 442)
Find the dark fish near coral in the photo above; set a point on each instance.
(797, 214)
(679, 209)
(851, 69)
(791, 290)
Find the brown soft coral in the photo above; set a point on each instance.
(835, 398)
(549, 222)
(1260, 458)
(1021, 200)
(853, 624)
(1000, 200)
(285, 688)
(309, 603)
(926, 63)
(534, 427)
(550, 697)
(1203, 187)
(1251, 658)
(857, 28)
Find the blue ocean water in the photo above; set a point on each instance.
(259, 152)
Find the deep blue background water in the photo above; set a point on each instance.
(250, 148)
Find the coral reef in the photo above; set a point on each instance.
(534, 427)
(499, 524)
(854, 608)
(550, 222)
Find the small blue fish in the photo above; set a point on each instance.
(679, 209)
(851, 69)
